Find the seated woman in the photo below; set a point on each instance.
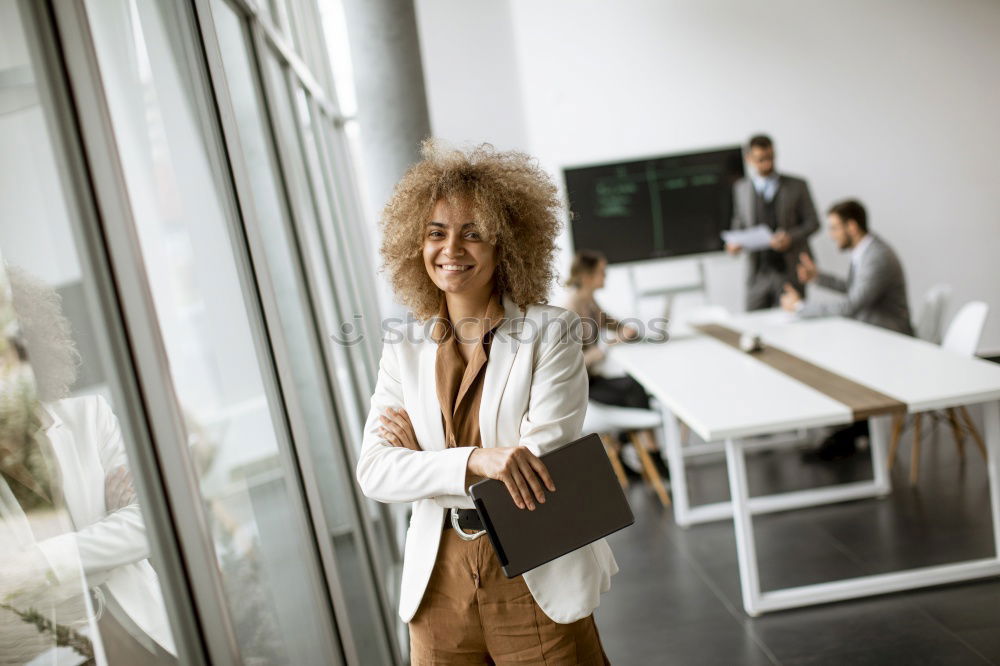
(487, 381)
(586, 276)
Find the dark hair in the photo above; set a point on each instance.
(761, 141)
(850, 209)
(585, 262)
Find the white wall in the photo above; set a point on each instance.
(894, 102)
(470, 72)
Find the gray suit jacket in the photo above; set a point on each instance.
(876, 291)
(795, 212)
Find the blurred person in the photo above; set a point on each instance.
(499, 380)
(71, 456)
(783, 204)
(875, 293)
(586, 275)
(875, 288)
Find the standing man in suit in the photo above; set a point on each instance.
(783, 204)
(875, 294)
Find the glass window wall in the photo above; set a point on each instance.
(320, 442)
(77, 578)
(205, 307)
(207, 345)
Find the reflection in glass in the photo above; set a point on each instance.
(70, 515)
(76, 582)
(181, 210)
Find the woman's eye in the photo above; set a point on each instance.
(436, 234)
(472, 235)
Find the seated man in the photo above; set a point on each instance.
(875, 294)
(875, 286)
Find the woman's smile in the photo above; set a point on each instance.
(454, 268)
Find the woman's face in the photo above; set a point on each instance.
(596, 279)
(456, 257)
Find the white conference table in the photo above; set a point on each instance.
(726, 395)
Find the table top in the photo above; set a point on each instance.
(721, 392)
(921, 374)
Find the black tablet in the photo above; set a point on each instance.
(588, 504)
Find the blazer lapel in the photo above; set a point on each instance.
(781, 200)
(430, 408)
(502, 352)
(71, 470)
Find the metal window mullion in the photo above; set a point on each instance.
(338, 248)
(386, 517)
(351, 211)
(310, 22)
(338, 245)
(269, 299)
(361, 397)
(287, 157)
(343, 305)
(286, 50)
(212, 122)
(113, 352)
(292, 171)
(169, 437)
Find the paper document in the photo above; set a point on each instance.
(752, 239)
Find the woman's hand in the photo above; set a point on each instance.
(118, 489)
(397, 429)
(518, 468)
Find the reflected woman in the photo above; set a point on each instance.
(69, 462)
(486, 381)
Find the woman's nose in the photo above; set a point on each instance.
(454, 247)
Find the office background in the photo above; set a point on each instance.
(200, 181)
(893, 103)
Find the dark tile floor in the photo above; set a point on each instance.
(677, 598)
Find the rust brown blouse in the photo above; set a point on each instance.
(460, 384)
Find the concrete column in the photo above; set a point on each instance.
(392, 104)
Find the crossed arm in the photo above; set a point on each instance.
(393, 467)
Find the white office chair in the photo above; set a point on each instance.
(966, 329)
(962, 337)
(609, 420)
(930, 320)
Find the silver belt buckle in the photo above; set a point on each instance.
(462, 534)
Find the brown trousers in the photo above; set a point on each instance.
(472, 614)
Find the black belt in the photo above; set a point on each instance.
(468, 519)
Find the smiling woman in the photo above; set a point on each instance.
(516, 209)
(499, 381)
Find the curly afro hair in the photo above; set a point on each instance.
(517, 209)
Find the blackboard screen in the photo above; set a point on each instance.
(666, 206)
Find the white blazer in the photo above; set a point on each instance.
(534, 394)
(111, 548)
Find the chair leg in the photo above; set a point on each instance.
(897, 431)
(956, 431)
(616, 462)
(661, 488)
(915, 453)
(651, 473)
(976, 437)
